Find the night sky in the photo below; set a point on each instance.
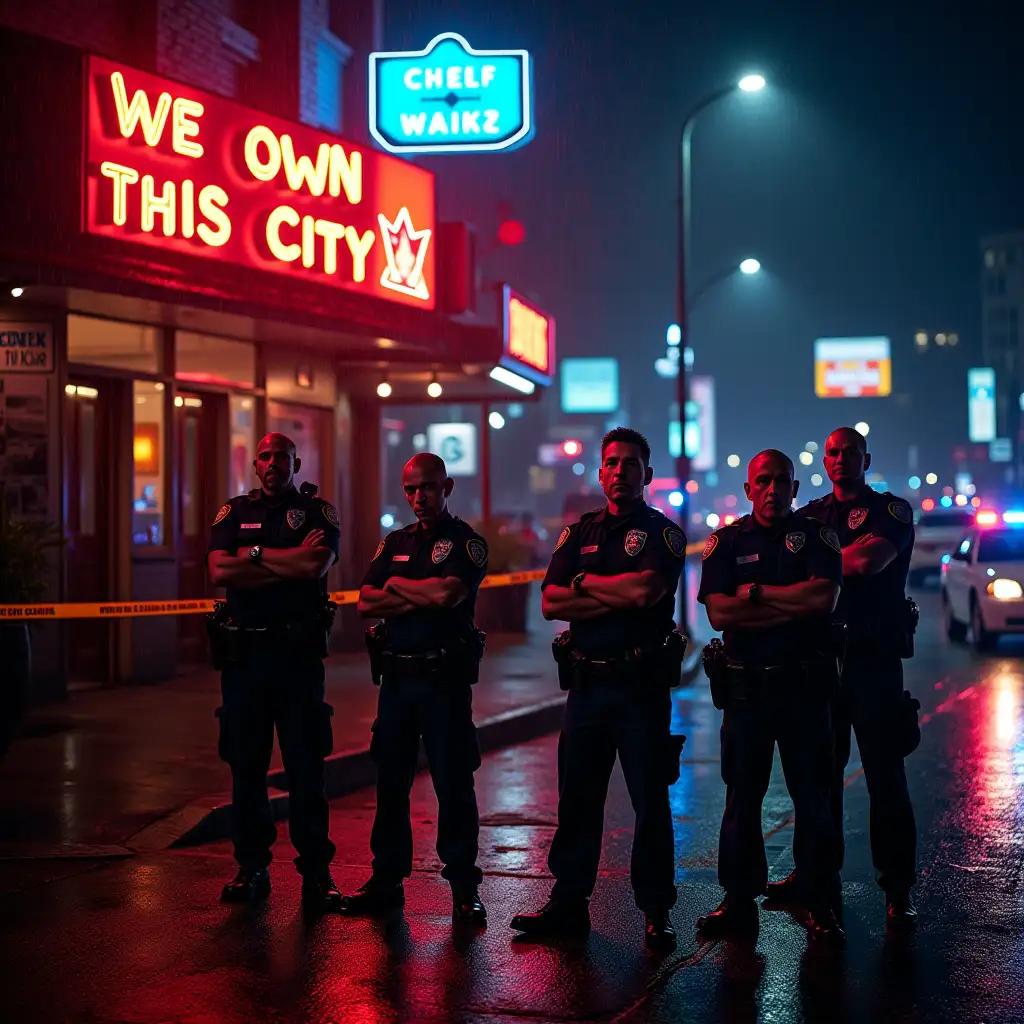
(888, 143)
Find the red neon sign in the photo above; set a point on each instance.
(176, 168)
(529, 338)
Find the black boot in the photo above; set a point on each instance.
(320, 893)
(900, 911)
(658, 931)
(467, 907)
(733, 919)
(785, 891)
(823, 926)
(376, 896)
(556, 917)
(248, 885)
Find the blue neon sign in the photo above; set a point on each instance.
(450, 98)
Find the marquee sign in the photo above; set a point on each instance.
(179, 169)
(450, 98)
(528, 338)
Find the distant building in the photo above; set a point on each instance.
(1002, 303)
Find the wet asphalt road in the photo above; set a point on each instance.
(144, 939)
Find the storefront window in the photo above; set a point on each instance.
(306, 428)
(243, 443)
(112, 343)
(148, 491)
(205, 359)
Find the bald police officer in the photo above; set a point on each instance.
(613, 577)
(271, 550)
(877, 535)
(770, 581)
(423, 583)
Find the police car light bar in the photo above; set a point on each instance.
(1013, 518)
(986, 518)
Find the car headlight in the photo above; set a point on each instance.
(1005, 590)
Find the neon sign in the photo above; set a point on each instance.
(175, 168)
(529, 338)
(450, 98)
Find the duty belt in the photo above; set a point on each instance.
(422, 663)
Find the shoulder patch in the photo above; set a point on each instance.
(376, 554)
(331, 514)
(709, 547)
(477, 551)
(225, 511)
(563, 537)
(675, 540)
(831, 538)
(900, 511)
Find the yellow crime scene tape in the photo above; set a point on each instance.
(141, 609)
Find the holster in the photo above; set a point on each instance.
(376, 645)
(661, 663)
(716, 668)
(216, 631)
(459, 664)
(909, 727)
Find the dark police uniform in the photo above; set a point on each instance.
(870, 694)
(778, 692)
(624, 708)
(426, 694)
(274, 676)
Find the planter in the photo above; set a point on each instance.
(503, 609)
(16, 657)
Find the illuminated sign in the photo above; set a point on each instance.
(981, 404)
(700, 423)
(852, 368)
(589, 385)
(175, 168)
(450, 98)
(529, 338)
(456, 444)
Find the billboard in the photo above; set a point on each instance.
(852, 368)
(528, 337)
(450, 98)
(456, 444)
(174, 168)
(981, 404)
(589, 385)
(700, 424)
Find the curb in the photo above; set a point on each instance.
(207, 820)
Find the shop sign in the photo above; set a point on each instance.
(450, 98)
(528, 336)
(178, 169)
(25, 348)
(456, 444)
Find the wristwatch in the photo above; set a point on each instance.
(755, 592)
(255, 554)
(577, 582)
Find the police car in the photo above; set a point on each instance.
(936, 533)
(982, 580)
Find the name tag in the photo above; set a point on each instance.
(746, 559)
(399, 558)
(589, 549)
(250, 526)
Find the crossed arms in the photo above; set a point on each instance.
(776, 607)
(308, 561)
(602, 594)
(399, 596)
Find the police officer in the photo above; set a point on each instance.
(770, 582)
(271, 550)
(877, 536)
(423, 583)
(613, 577)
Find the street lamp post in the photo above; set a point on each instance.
(750, 83)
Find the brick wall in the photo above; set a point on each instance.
(190, 44)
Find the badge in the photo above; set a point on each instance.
(635, 541)
(376, 554)
(675, 540)
(795, 541)
(225, 511)
(709, 547)
(442, 549)
(331, 515)
(563, 537)
(295, 517)
(831, 538)
(477, 551)
(856, 517)
(900, 510)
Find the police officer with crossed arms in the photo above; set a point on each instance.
(271, 550)
(770, 582)
(425, 655)
(613, 577)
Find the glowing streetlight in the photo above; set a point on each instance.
(733, 461)
(752, 83)
(496, 420)
(862, 428)
(806, 458)
(750, 266)
(674, 335)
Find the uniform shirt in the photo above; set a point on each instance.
(796, 550)
(449, 548)
(252, 519)
(608, 545)
(882, 515)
